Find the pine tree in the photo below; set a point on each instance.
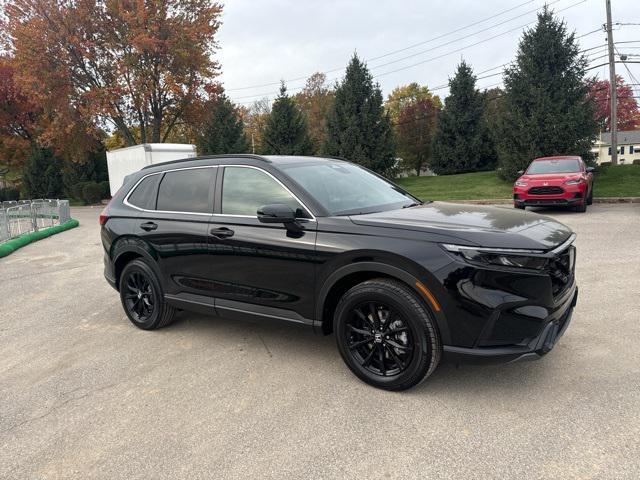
(462, 141)
(223, 129)
(546, 107)
(42, 174)
(286, 131)
(358, 128)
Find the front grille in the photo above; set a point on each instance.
(545, 190)
(561, 269)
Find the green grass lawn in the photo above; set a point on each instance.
(621, 181)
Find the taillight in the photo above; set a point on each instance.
(104, 215)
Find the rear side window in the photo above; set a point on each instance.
(186, 191)
(144, 195)
(245, 190)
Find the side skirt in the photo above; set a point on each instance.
(233, 309)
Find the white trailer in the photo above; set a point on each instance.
(125, 161)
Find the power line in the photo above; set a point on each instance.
(267, 94)
(392, 52)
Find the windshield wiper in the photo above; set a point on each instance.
(414, 204)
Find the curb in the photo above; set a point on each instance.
(23, 240)
(508, 201)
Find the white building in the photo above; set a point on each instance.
(628, 147)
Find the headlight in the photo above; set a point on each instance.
(573, 181)
(502, 257)
(520, 183)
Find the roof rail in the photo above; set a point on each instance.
(335, 157)
(210, 157)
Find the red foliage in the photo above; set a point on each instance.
(628, 111)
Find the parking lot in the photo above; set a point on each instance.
(84, 394)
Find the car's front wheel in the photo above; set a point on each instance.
(142, 298)
(386, 335)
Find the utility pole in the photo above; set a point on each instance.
(613, 90)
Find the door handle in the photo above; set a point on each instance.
(222, 232)
(148, 226)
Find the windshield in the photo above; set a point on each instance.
(569, 165)
(347, 189)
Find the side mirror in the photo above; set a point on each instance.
(520, 173)
(276, 213)
(590, 169)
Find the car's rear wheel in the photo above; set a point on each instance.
(386, 335)
(142, 297)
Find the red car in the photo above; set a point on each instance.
(558, 181)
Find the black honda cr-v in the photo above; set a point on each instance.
(326, 243)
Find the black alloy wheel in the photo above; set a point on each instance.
(142, 297)
(138, 296)
(386, 334)
(378, 339)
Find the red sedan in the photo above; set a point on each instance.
(558, 181)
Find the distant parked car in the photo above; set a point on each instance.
(559, 181)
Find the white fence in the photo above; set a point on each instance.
(25, 216)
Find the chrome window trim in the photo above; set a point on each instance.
(126, 199)
(313, 217)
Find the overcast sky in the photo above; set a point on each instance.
(264, 41)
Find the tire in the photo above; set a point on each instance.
(582, 207)
(590, 197)
(142, 297)
(400, 360)
(519, 207)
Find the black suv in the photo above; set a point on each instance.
(326, 243)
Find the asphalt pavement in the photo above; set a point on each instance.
(84, 394)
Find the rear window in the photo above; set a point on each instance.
(568, 165)
(144, 195)
(186, 191)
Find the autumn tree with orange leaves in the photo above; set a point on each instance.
(142, 67)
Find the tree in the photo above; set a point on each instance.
(462, 142)
(42, 175)
(134, 63)
(286, 130)
(18, 116)
(314, 101)
(414, 130)
(255, 122)
(547, 111)
(358, 128)
(409, 94)
(628, 111)
(222, 131)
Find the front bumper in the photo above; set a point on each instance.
(554, 327)
(571, 195)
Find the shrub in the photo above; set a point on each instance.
(91, 192)
(636, 161)
(105, 190)
(76, 190)
(9, 193)
(605, 164)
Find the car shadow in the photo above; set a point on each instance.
(281, 337)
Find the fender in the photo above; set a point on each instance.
(388, 270)
(125, 245)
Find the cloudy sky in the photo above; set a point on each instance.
(264, 41)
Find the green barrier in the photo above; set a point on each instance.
(19, 242)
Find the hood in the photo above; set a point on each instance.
(548, 177)
(477, 225)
